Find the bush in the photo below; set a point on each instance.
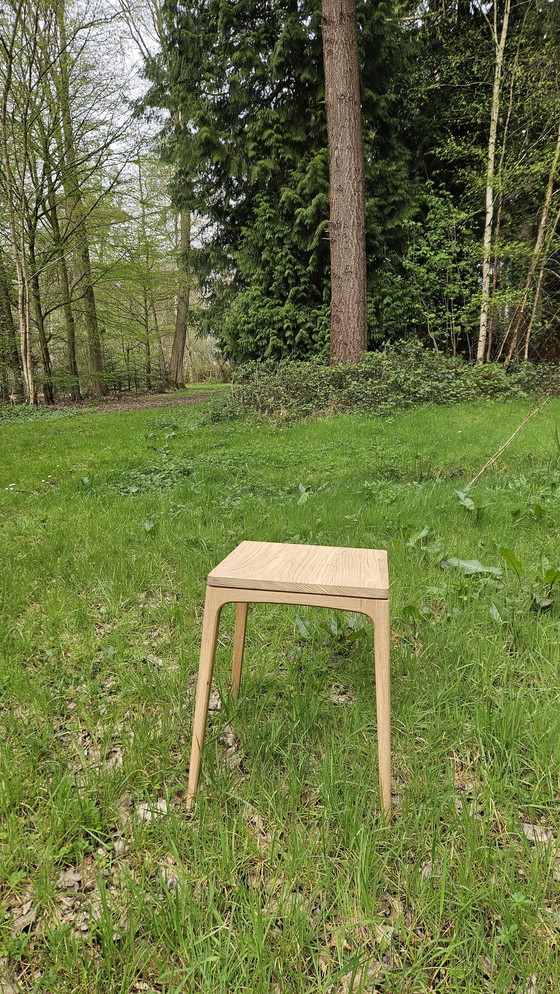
(399, 377)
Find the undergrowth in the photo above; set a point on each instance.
(399, 377)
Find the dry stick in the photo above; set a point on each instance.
(534, 410)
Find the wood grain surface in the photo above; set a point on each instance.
(304, 568)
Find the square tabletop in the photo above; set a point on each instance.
(317, 569)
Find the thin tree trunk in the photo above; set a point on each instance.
(161, 354)
(13, 357)
(73, 192)
(496, 263)
(69, 321)
(517, 325)
(15, 218)
(147, 349)
(489, 220)
(48, 392)
(145, 305)
(25, 337)
(177, 361)
(347, 185)
(538, 288)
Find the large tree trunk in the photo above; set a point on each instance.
(347, 185)
(500, 45)
(177, 362)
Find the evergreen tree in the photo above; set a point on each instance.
(243, 88)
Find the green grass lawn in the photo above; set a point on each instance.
(285, 879)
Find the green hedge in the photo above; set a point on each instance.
(399, 377)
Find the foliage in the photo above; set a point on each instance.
(430, 292)
(254, 163)
(399, 377)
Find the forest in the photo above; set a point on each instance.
(164, 186)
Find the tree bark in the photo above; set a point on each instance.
(347, 185)
(177, 362)
(500, 45)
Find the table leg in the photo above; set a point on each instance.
(212, 608)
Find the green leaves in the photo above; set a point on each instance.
(472, 506)
(511, 561)
(303, 627)
(466, 501)
(471, 567)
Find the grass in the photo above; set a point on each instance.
(285, 879)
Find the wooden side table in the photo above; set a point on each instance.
(312, 575)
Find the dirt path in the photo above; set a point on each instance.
(142, 402)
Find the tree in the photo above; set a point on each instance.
(499, 38)
(177, 362)
(347, 184)
(246, 83)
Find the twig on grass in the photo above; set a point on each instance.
(537, 406)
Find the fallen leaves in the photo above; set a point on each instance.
(25, 917)
(148, 811)
(537, 833)
(342, 695)
(229, 746)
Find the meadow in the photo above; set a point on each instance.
(285, 879)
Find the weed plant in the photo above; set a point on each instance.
(285, 879)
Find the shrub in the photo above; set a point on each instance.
(399, 377)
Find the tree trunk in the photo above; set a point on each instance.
(163, 377)
(73, 192)
(12, 355)
(177, 362)
(517, 324)
(25, 337)
(347, 185)
(493, 327)
(90, 319)
(500, 46)
(48, 391)
(538, 287)
(15, 199)
(147, 347)
(35, 291)
(75, 392)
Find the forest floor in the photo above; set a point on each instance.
(195, 393)
(285, 879)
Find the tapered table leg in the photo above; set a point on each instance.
(212, 607)
(238, 647)
(382, 641)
